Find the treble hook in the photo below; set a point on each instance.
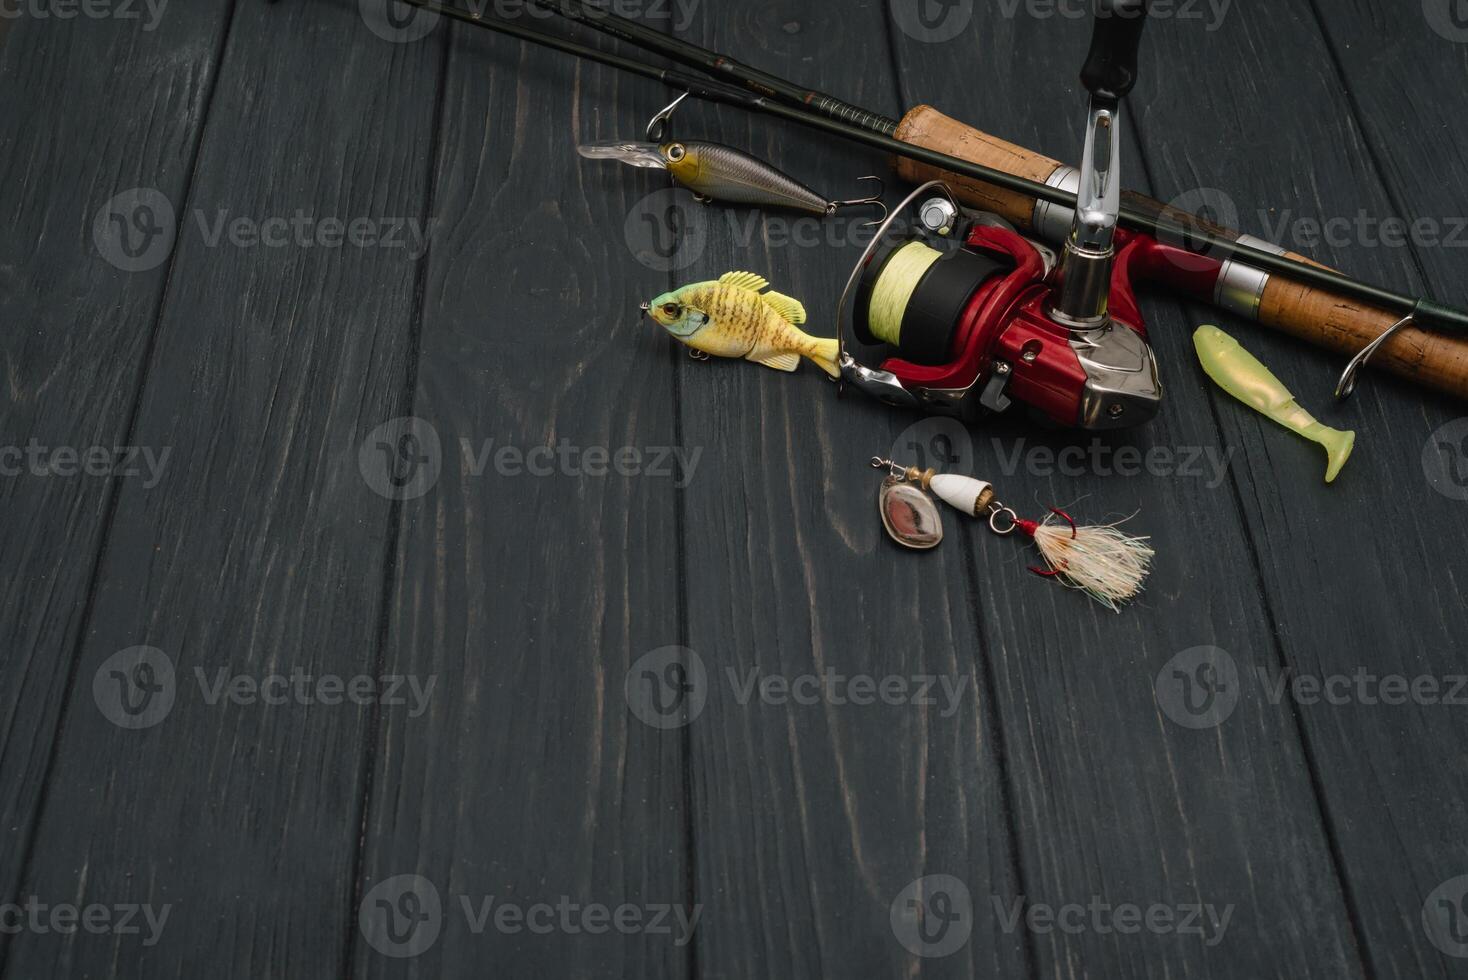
(1347, 384)
(657, 127)
(874, 201)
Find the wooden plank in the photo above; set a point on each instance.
(1364, 578)
(262, 552)
(814, 816)
(92, 110)
(533, 587)
(1119, 803)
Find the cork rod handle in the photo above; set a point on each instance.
(1325, 319)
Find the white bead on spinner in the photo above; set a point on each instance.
(962, 492)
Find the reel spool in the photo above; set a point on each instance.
(912, 297)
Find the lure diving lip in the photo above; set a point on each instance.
(715, 172)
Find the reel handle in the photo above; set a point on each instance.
(1110, 70)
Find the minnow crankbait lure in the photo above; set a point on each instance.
(734, 317)
(715, 172)
(1240, 374)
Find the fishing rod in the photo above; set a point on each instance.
(717, 65)
(1244, 288)
(1242, 285)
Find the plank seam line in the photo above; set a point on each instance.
(114, 494)
(367, 767)
(1191, 312)
(1014, 851)
(1357, 123)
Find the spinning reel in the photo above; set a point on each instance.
(999, 319)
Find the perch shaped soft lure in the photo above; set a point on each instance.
(735, 317)
(1240, 374)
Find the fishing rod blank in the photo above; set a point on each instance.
(719, 66)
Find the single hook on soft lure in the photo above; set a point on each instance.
(715, 172)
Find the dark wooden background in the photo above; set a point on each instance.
(264, 548)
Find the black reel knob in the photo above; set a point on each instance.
(1111, 65)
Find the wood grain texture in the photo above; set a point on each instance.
(1353, 587)
(812, 818)
(531, 589)
(1116, 800)
(261, 551)
(75, 333)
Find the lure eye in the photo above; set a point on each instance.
(670, 309)
(676, 152)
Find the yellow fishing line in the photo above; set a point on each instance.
(894, 289)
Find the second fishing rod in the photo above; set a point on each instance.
(1410, 336)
